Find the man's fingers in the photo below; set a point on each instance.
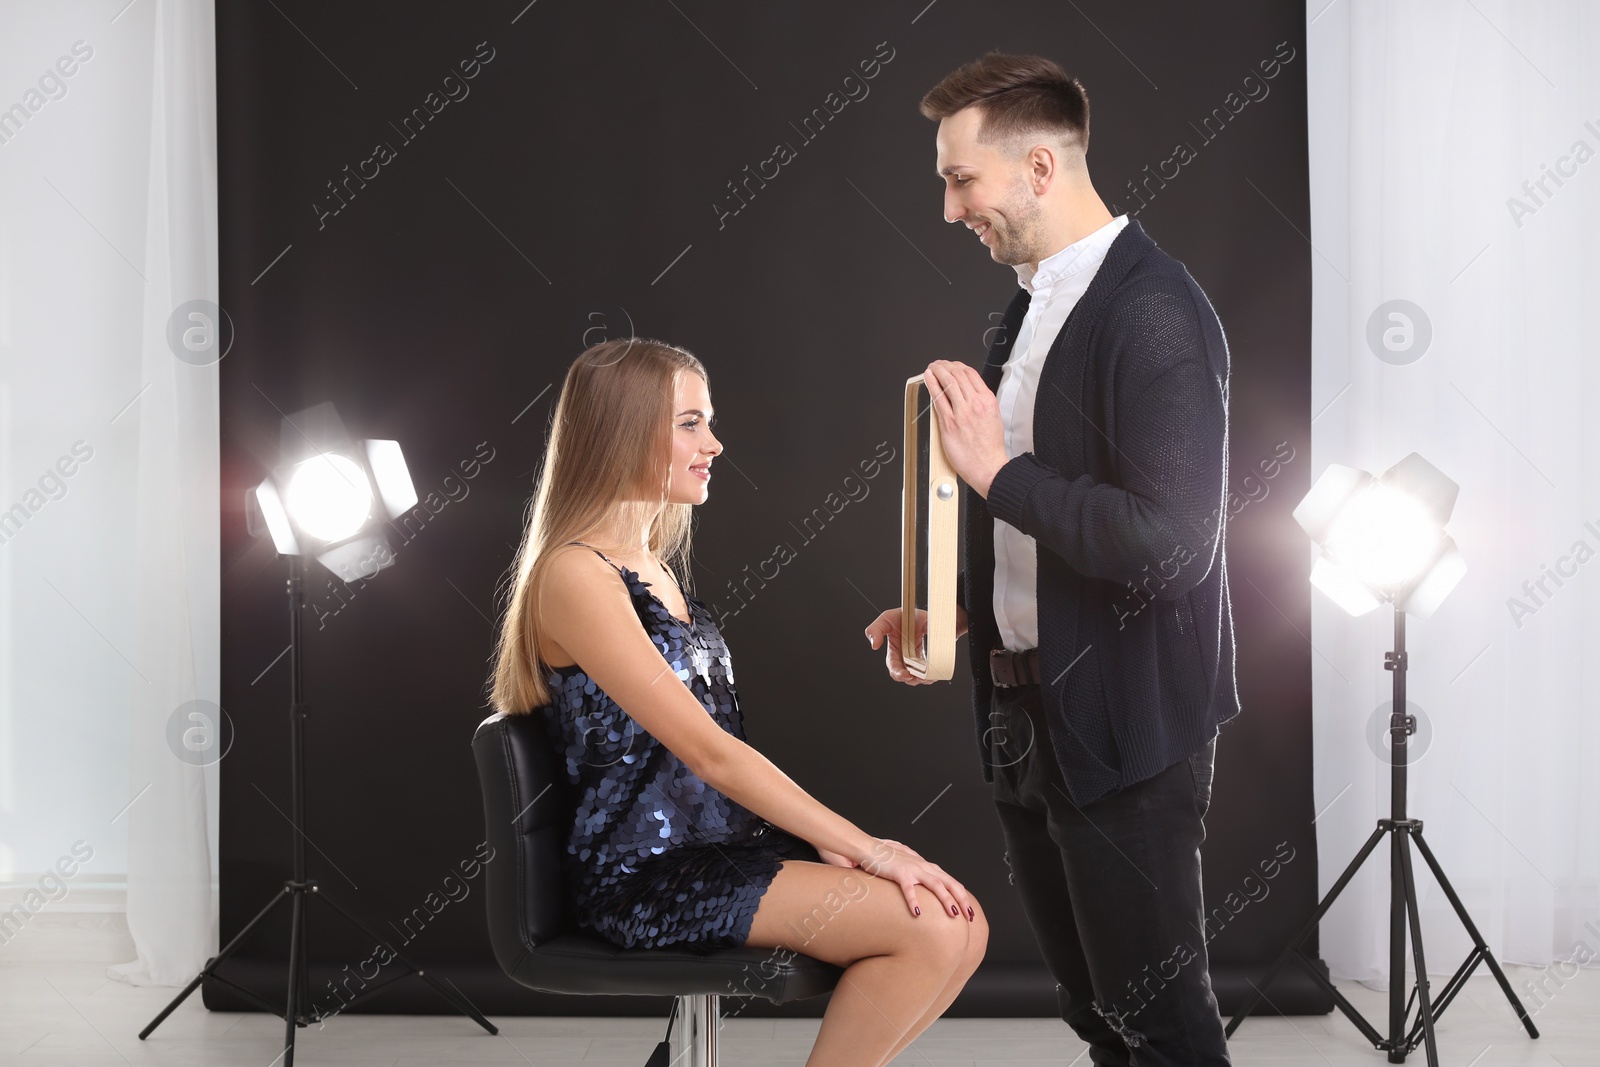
(956, 386)
(898, 668)
(964, 373)
(936, 391)
(885, 625)
(892, 658)
(899, 671)
(953, 381)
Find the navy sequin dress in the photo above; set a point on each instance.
(656, 856)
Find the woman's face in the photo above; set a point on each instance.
(693, 445)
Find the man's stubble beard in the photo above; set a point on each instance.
(1023, 243)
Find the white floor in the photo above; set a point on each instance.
(70, 1014)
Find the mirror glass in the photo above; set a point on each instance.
(922, 525)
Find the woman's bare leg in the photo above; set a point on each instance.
(976, 945)
(898, 967)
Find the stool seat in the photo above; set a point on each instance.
(583, 963)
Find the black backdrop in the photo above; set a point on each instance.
(612, 168)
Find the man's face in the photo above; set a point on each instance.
(987, 192)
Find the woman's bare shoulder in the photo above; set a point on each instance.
(574, 577)
(580, 571)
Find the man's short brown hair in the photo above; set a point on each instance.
(1020, 97)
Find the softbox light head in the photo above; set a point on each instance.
(1383, 538)
(330, 494)
(1418, 478)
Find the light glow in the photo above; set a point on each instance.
(1384, 537)
(329, 496)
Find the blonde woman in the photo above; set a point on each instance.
(684, 834)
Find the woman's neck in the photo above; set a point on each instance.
(634, 548)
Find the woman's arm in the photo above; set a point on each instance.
(588, 612)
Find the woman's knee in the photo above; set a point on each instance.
(977, 938)
(842, 915)
(952, 944)
(945, 941)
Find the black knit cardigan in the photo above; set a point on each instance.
(1125, 494)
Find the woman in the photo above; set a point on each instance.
(684, 834)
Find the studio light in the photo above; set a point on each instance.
(328, 496)
(1382, 540)
(323, 496)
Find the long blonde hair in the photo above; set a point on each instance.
(608, 458)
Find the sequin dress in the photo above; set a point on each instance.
(656, 856)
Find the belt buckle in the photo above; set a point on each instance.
(1016, 668)
(1005, 656)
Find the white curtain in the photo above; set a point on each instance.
(1455, 165)
(171, 907)
(109, 569)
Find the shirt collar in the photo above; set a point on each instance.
(1079, 255)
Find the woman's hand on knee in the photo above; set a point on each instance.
(895, 862)
(907, 849)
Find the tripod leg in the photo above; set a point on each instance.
(1477, 938)
(1398, 894)
(179, 999)
(302, 997)
(1305, 931)
(211, 965)
(1423, 1006)
(459, 1003)
(291, 1008)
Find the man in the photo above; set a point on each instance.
(1093, 448)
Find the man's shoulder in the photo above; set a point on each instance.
(1149, 266)
(1153, 283)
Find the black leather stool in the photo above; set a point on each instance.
(528, 810)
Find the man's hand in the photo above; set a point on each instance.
(970, 427)
(886, 628)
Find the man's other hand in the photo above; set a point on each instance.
(886, 628)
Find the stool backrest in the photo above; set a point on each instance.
(527, 814)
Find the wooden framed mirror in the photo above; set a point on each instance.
(929, 528)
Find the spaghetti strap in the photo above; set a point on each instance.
(599, 553)
(625, 571)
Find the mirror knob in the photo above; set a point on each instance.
(946, 490)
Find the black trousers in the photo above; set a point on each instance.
(1112, 891)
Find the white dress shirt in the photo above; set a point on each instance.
(1056, 286)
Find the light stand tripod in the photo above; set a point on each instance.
(299, 1011)
(1404, 1036)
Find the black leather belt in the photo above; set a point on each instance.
(1011, 669)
